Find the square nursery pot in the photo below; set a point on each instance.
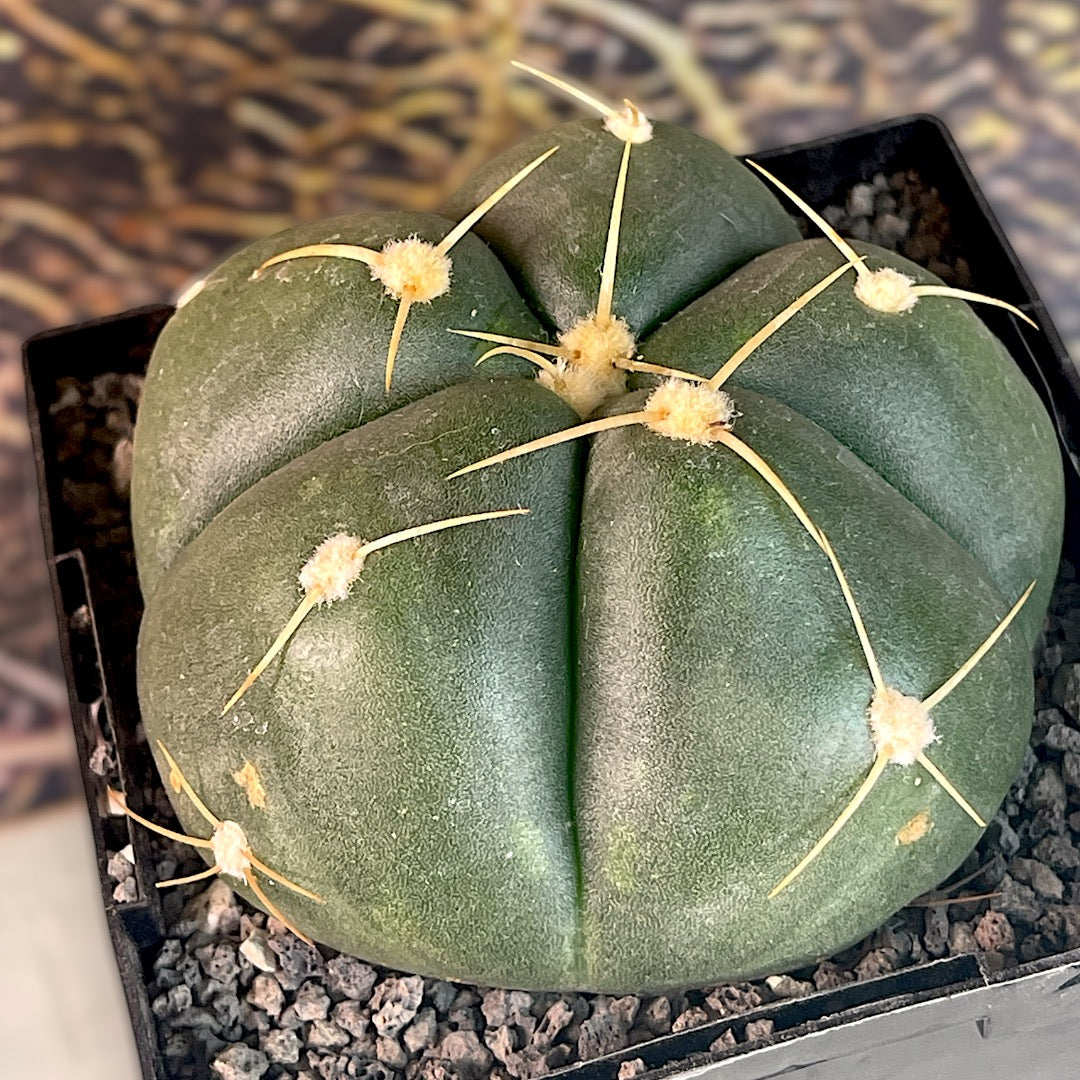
(971, 1014)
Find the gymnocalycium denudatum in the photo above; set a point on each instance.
(597, 587)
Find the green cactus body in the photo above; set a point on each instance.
(693, 214)
(892, 388)
(252, 373)
(580, 748)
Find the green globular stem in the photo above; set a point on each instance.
(577, 740)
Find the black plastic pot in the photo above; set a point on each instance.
(950, 1018)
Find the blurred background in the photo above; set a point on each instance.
(140, 139)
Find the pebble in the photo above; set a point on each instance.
(1058, 852)
(1039, 876)
(397, 1002)
(210, 989)
(759, 1029)
(501, 1042)
(631, 1068)
(256, 950)
(226, 1009)
(890, 936)
(1060, 927)
(289, 1019)
(376, 1070)
(464, 999)
(556, 1058)
(188, 969)
(891, 228)
(1003, 835)
(828, 975)
(465, 1018)
(312, 1002)
(166, 979)
(240, 1062)
(1027, 767)
(936, 930)
(860, 200)
(468, 1056)
(693, 1017)
(1018, 901)
(390, 1052)
(733, 1000)
(219, 962)
(656, 1015)
(724, 1042)
(1047, 789)
(961, 939)
(120, 467)
(327, 1066)
(173, 1001)
(354, 979)
(195, 1017)
(253, 1019)
(1060, 737)
(175, 1045)
(1033, 947)
(126, 891)
(580, 1007)
(106, 390)
(170, 952)
(606, 1030)
(1045, 719)
(297, 960)
(502, 1007)
(875, 963)
(352, 1016)
(1045, 820)
(421, 1032)
(994, 933)
(554, 1021)
(1065, 689)
(119, 867)
(439, 992)
(281, 1047)
(326, 1035)
(784, 986)
(1070, 770)
(266, 994)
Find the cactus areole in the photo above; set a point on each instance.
(683, 639)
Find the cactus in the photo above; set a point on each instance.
(596, 588)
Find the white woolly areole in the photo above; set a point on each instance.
(691, 411)
(231, 850)
(630, 124)
(901, 726)
(587, 374)
(412, 266)
(886, 290)
(583, 388)
(589, 343)
(333, 567)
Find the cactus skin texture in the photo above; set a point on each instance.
(580, 748)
